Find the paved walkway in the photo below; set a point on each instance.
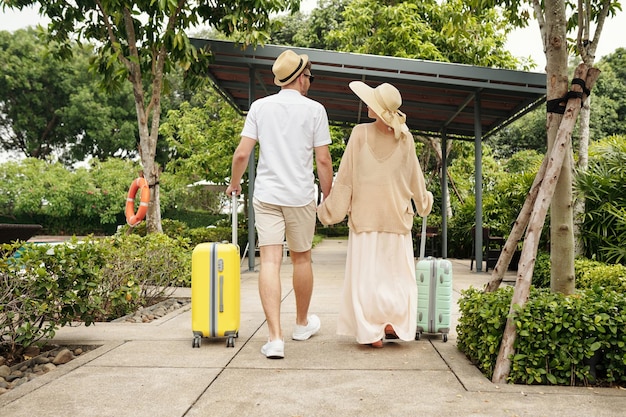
(151, 369)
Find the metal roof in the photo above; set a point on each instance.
(437, 96)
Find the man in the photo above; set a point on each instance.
(290, 129)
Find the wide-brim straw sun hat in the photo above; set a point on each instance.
(288, 67)
(384, 100)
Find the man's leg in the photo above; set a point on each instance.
(270, 289)
(302, 284)
(300, 227)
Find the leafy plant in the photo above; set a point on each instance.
(561, 340)
(141, 271)
(602, 183)
(44, 287)
(541, 272)
(483, 316)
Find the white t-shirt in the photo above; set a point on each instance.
(288, 126)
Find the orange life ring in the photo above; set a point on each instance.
(133, 218)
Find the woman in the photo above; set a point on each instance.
(378, 177)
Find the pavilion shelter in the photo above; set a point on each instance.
(446, 100)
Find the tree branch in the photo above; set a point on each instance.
(112, 37)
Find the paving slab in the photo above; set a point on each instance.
(116, 391)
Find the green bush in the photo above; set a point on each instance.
(172, 228)
(141, 271)
(81, 201)
(561, 340)
(65, 277)
(602, 184)
(589, 273)
(213, 234)
(44, 287)
(333, 231)
(541, 272)
(22, 316)
(479, 332)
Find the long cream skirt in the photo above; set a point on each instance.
(379, 287)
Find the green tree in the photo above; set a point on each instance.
(608, 110)
(608, 107)
(311, 31)
(527, 133)
(53, 108)
(202, 135)
(448, 32)
(142, 41)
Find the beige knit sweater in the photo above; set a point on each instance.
(377, 179)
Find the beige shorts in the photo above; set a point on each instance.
(274, 223)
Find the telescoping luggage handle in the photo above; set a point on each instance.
(233, 204)
(423, 239)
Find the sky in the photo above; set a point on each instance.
(521, 43)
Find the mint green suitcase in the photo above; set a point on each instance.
(434, 293)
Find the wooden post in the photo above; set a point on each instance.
(537, 220)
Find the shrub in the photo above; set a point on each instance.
(479, 332)
(44, 287)
(213, 234)
(65, 277)
(193, 218)
(602, 184)
(22, 315)
(589, 273)
(561, 340)
(541, 272)
(140, 271)
(172, 228)
(333, 231)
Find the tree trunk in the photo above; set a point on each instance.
(562, 229)
(587, 51)
(561, 222)
(148, 155)
(148, 117)
(583, 163)
(147, 152)
(559, 154)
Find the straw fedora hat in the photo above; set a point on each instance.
(288, 66)
(385, 100)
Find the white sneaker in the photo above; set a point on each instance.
(304, 332)
(274, 349)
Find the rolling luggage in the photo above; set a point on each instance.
(434, 296)
(215, 288)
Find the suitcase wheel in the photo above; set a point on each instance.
(418, 335)
(231, 341)
(445, 337)
(196, 342)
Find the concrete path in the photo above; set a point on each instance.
(149, 370)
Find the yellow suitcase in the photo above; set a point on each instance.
(216, 289)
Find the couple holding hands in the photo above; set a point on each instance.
(378, 185)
